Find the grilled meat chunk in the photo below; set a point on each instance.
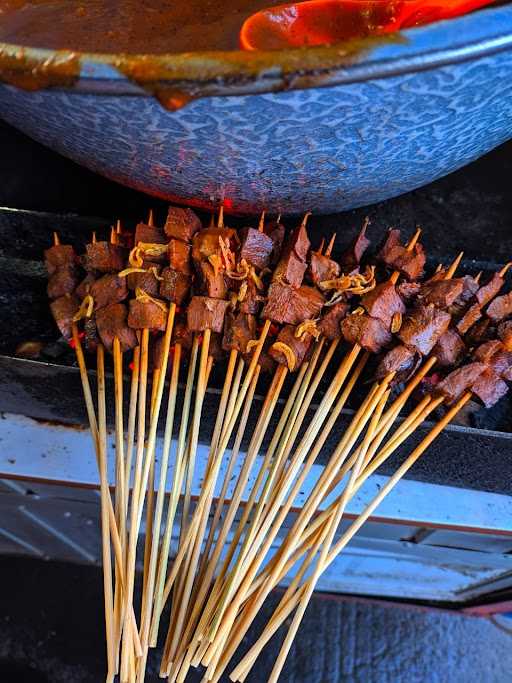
(59, 256)
(351, 258)
(479, 332)
(204, 313)
(292, 306)
(383, 302)
(175, 286)
(83, 288)
(423, 328)
(181, 224)
(322, 268)
(370, 333)
(276, 232)
(472, 316)
(182, 335)
(300, 346)
(290, 270)
(63, 309)
(147, 282)
(104, 257)
(450, 349)
(112, 321)
(489, 388)
(500, 308)
(457, 382)
(489, 291)
(396, 256)
(63, 281)
(497, 357)
(179, 256)
(147, 315)
(91, 337)
(252, 300)
(211, 283)
(442, 293)
(108, 289)
(330, 322)
(298, 242)
(150, 234)
(408, 290)
(256, 248)
(401, 360)
(239, 329)
(469, 289)
(505, 334)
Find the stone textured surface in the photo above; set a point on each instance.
(51, 624)
(324, 149)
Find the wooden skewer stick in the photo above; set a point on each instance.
(321, 247)
(203, 582)
(132, 419)
(177, 484)
(142, 467)
(261, 225)
(105, 525)
(160, 500)
(151, 219)
(330, 246)
(211, 477)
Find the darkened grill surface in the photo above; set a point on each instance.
(470, 210)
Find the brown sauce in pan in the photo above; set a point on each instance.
(131, 26)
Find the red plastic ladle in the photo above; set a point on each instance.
(325, 22)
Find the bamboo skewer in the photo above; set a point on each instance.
(105, 525)
(132, 419)
(178, 478)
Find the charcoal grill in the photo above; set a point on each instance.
(443, 537)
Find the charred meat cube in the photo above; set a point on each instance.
(215, 349)
(147, 315)
(182, 335)
(211, 283)
(255, 248)
(239, 329)
(91, 338)
(290, 270)
(351, 258)
(251, 298)
(383, 302)
(150, 234)
(63, 309)
(276, 232)
(505, 334)
(479, 332)
(469, 289)
(63, 281)
(104, 257)
(423, 328)
(179, 256)
(330, 322)
(408, 290)
(306, 304)
(265, 360)
(489, 388)
(401, 360)
(147, 282)
(175, 286)
(496, 356)
(472, 316)
(396, 256)
(278, 302)
(370, 333)
(206, 313)
(450, 349)
(83, 288)
(489, 291)
(59, 256)
(112, 321)
(457, 382)
(500, 308)
(109, 289)
(206, 243)
(442, 293)
(298, 346)
(322, 268)
(182, 224)
(298, 241)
